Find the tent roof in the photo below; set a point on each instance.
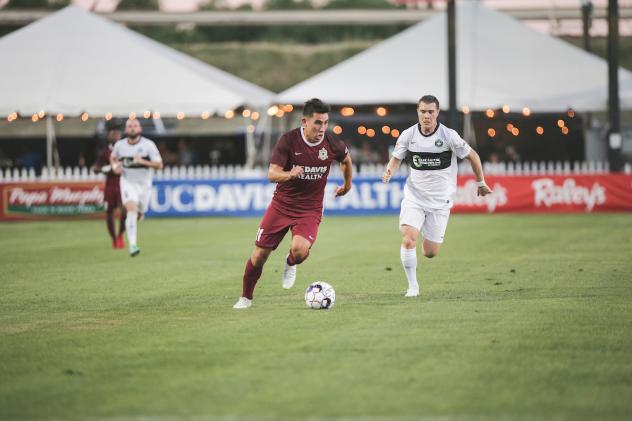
(74, 61)
(499, 61)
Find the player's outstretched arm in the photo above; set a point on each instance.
(346, 167)
(477, 167)
(391, 168)
(277, 175)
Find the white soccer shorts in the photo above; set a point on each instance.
(137, 193)
(432, 223)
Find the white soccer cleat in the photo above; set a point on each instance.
(289, 276)
(412, 292)
(242, 303)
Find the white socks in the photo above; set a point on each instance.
(130, 227)
(409, 261)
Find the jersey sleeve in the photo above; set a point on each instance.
(401, 147)
(115, 150)
(154, 153)
(281, 153)
(458, 145)
(341, 150)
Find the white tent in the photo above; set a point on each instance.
(499, 62)
(73, 61)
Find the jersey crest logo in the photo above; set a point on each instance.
(322, 154)
(438, 143)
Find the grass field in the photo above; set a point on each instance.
(521, 318)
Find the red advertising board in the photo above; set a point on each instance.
(548, 193)
(43, 201)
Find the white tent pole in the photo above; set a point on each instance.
(50, 140)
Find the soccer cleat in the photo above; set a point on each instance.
(242, 303)
(289, 276)
(412, 293)
(134, 251)
(115, 243)
(120, 242)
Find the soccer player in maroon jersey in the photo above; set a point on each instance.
(112, 191)
(299, 165)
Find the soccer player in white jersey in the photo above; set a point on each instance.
(432, 150)
(136, 157)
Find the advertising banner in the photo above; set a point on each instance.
(59, 200)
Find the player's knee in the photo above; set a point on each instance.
(299, 253)
(409, 242)
(430, 253)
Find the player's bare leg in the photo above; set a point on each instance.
(130, 227)
(299, 251)
(252, 273)
(431, 249)
(408, 254)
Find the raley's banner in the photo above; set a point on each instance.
(59, 200)
(369, 196)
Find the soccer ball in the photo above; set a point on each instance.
(320, 296)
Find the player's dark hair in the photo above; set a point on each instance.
(315, 105)
(429, 99)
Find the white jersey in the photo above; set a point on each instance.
(125, 152)
(433, 164)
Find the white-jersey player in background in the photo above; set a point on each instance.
(135, 157)
(432, 150)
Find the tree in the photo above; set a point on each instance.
(37, 4)
(138, 5)
(289, 5)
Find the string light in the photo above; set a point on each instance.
(41, 114)
(60, 117)
(206, 115)
(560, 123)
(395, 133)
(34, 118)
(180, 115)
(381, 111)
(526, 112)
(229, 114)
(337, 129)
(347, 111)
(273, 110)
(370, 133)
(254, 115)
(465, 109)
(491, 132)
(12, 117)
(539, 130)
(565, 130)
(515, 131)
(509, 127)
(280, 112)
(506, 109)
(386, 129)
(288, 108)
(362, 130)
(246, 113)
(84, 117)
(490, 113)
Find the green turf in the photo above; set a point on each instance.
(522, 317)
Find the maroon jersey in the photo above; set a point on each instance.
(104, 159)
(305, 194)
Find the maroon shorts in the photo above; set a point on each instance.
(275, 224)
(112, 195)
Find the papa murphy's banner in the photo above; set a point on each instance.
(369, 196)
(58, 200)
